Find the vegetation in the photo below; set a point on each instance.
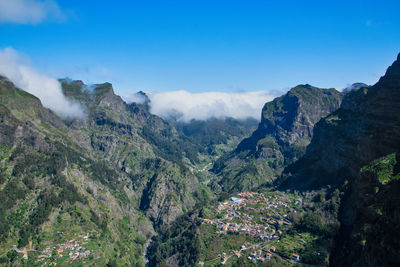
(281, 139)
(123, 175)
(178, 239)
(383, 168)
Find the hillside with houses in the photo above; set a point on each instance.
(257, 227)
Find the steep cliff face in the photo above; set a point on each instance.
(290, 119)
(370, 216)
(160, 205)
(140, 145)
(285, 130)
(356, 148)
(364, 128)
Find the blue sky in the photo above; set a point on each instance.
(210, 45)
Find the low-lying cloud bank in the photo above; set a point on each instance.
(185, 106)
(47, 89)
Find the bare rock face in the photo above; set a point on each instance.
(166, 195)
(290, 119)
(285, 130)
(367, 126)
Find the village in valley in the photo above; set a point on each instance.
(260, 220)
(67, 252)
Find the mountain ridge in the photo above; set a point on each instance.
(285, 130)
(123, 174)
(356, 149)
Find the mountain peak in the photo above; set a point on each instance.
(103, 89)
(302, 87)
(395, 67)
(307, 92)
(354, 86)
(393, 72)
(6, 82)
(146, 99)
(285, 130)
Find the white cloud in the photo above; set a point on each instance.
(186, 106)
(29, 11)
(47, 89)
(137, 98)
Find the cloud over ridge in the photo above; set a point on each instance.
(29, 11)
(47, 89)
(185, 106)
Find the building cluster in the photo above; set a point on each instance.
(263, 232)
(261, 254)
(255, 215)
(72, 249)
(237, 219)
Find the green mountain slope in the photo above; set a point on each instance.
(140, 145)
(115, 175)
(105, 184)
(285, 130)
(52, 191)
(215, 137)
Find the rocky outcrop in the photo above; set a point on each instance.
(167, 194)
(290, 119)
(354, 87)
(366, 127)
(285, 130)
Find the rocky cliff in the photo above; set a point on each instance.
(356, 149)
(285, 130)
(364, 128)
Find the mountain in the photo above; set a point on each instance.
(354, 86)
(363, 129)
(112, 176)
(52, 190)
(285, 130)
(356, 149)
(143, 146)
(122, 185)
(214, 137)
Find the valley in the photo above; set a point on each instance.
(199, 133)
(124, 187)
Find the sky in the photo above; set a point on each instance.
(204, 46)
